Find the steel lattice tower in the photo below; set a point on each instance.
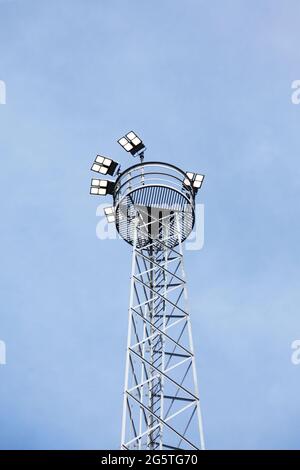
(153, 211)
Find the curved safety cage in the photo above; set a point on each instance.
(153, 204)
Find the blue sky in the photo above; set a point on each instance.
(208, 86)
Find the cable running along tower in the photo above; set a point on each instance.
(154, 211)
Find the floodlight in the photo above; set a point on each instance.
(136, 141)
(101, 187)
(131, 143)
(133, 138)
(131, 135)
(128, 147)
(110, 214)
(193, 179)
(198, 181)
(101, 183)
(199, 178)
(123, 141)
(104, 165)
(98, 191)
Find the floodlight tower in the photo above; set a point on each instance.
(154, 211)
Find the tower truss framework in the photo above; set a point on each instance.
(161, 409)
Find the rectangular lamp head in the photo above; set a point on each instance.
(104, 165)
(193, 179)
(101, 187)
(131, 143)
(198, 181)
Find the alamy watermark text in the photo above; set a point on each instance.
(2, 353)
(2, 92)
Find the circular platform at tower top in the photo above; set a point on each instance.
(153, 205)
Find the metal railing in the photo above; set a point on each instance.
(152, 174)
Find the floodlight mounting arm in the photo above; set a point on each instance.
(140, 154)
